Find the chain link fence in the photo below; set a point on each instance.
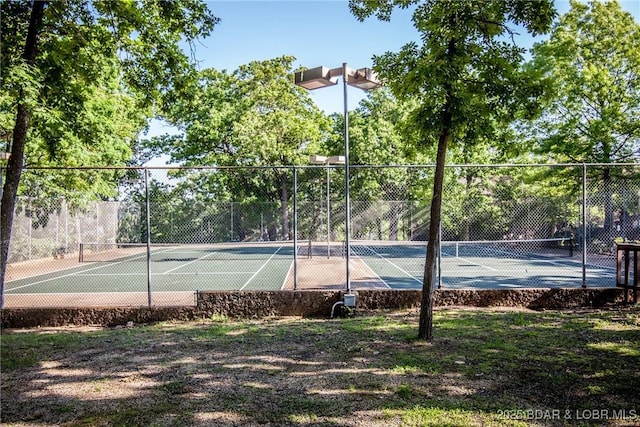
(166, 233)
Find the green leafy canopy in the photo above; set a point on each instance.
(593, 58)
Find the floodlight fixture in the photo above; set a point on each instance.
(324, 160)
(318, 160)
(336, 160)
(316, 78)
(364, 78)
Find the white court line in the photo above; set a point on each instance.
(478, 264)
(284, 283)
(515, 256)
(210, 273)
(393, 264)
(260, 269)
(110, 264)
(161, 274)
(66, 294)
(190, 262)
(291, 267)
(109, 274)
(372, 272)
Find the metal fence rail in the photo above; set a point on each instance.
(284, 228)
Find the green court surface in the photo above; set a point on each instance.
(170, 269)
(121, 269)
(486, 265)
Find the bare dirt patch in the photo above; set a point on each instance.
(366, 371)
(323, 273)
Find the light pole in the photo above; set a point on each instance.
(363, 78)
(332, 160)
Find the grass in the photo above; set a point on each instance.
(484, 367)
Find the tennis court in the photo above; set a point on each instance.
(172, 273)
(543, 263)
(126, 274)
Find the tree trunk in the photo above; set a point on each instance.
(425, 330)
(16, 161)
(394, 219)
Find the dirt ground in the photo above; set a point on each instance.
(367, 371)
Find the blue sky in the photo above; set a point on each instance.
(316, 33)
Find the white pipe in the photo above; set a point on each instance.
(334, 307)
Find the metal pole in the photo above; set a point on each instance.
(148, 205)
(347, 226)
(231, 229)
(295, 228)
(584, 225)
(30, 235)
(328, 213)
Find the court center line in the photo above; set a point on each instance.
(260, 269)
(444, 255)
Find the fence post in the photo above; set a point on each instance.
(148, 219)
(295, 228)
(584, 225)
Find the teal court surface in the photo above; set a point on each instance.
(487, 265)
(128, 274)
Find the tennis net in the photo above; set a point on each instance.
(159, 252)
(518, 249)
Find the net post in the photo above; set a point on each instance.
(81, 252)
(572, 242)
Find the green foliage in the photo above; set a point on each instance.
(593, 112)
(464, 57)
(379, 134)
(466, 79)
(100, 68)
(253, 116)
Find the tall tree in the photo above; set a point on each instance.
(51, 49)
(254, 116)
(466, 76)
(593, 113)
(378, 136)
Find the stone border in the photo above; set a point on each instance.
(306, 304)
